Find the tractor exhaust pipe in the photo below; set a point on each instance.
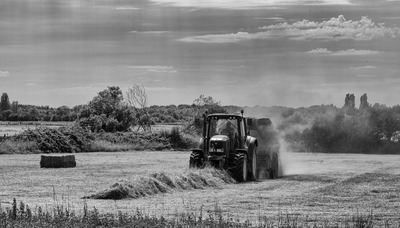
(205, 139)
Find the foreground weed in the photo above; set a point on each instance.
(20, 215)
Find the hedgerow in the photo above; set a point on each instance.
(73, 139)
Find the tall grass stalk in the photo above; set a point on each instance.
(20, 215)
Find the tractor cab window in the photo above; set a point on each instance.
(226, 127)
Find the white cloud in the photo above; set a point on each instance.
(126, 8)
(5, 74)
(355, 52)
(247, 4)
(364, 68)
(155, 68)
(148, 32)
(319, 51)
(333, 29)
(222, 38)
(336, 29)
(348, 52)
(277, 19)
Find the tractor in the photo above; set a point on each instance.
(230, 143)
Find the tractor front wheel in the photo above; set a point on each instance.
(240, 167)
(195, 160)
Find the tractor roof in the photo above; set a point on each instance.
(225, 116)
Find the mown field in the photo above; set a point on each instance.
(10, 128)
(321, 188)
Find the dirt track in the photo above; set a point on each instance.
(315, 186)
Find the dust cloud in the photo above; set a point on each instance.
(272, 139)
(288, 165)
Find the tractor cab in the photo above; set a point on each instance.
(225, 133)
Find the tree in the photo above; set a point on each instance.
(106, 101)
(107, 112)
(387, 122)
(14, 106)
(349, 101)
(201, 105)
(64, 113)
(364, 101)
(209, 104)
(205, 101)
(5, 115)
(5, 102)
(137, 98)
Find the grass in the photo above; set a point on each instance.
(321, 189)
(21, 215)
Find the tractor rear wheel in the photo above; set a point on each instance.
(240, 167)
(195, 160)
(253, 164)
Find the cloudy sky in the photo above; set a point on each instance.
(241, 52)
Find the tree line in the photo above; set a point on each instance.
(320, 128)
(13, 111)
(326, 128)
(111, 110)
(169, 114)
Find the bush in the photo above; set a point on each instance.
(10, 146)
(62, 140)
(92, 123)
(177, 140)
(111, 125)
(76, 139)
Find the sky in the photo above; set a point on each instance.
(295, 53)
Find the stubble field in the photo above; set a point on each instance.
(315, 187)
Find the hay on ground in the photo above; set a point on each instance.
(164, 183)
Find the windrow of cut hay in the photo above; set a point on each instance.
(164, 183)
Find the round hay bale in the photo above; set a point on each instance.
(67, 161)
